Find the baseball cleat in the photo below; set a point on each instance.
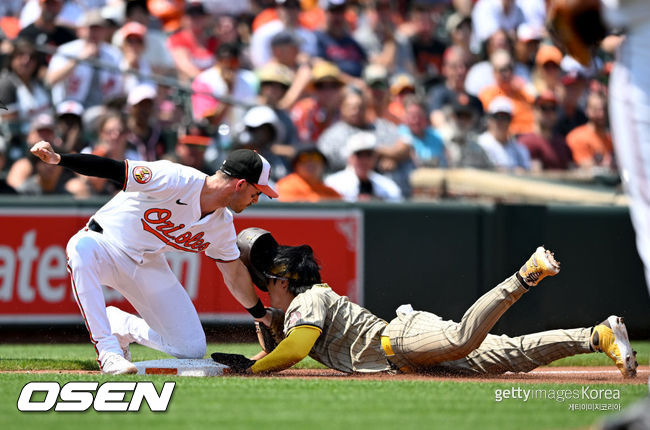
(610, 337)
(540, 265)
(115, 364)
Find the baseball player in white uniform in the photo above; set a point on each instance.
(629, 93)
(163, 206)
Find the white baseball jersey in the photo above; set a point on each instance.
(626, 13)
(77, 84)
(159, 210)
(629, 106)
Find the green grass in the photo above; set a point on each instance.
(82, 356)
(258, 403)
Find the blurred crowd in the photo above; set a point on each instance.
(344, 98)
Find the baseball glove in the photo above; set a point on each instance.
(269, 337)
(236, 362)
(576, 25)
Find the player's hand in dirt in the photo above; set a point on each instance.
(44, 151)
(236, 362)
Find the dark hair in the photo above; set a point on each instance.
(412, 99)
(134, 5)
(228, 50)
(298, 264)
(21, 45)
(101, 123)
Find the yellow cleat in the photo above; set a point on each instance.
(540, 265)
(610, 337)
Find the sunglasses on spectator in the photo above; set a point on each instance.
(502, 116)
(134, 40)
(337, 9)
(550, 65)
(313, 156)
(378, 85)
(463, 115)
(366, 153)
(505, 69)
(233, 62)
(32, 55)
(547, 108)
(327, 85)
(291, 5)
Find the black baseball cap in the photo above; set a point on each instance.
(249, 165)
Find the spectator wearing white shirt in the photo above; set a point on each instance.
(134, 39)
(228, 79)
(358, 181)
(503, 150)
(21, 90)
(155, 48)
(489, 16)
(288, 12)
(69, 16)
(73, 78)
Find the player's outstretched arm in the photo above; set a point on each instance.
(290, 351)
(239, 283)
(84, 164)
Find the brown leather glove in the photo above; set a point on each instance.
(577, 26)
(269, 337)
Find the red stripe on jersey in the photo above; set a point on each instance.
(83, 315)
(126, 174)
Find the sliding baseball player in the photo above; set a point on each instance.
(344, 336)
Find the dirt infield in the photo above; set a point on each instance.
(566, 375)
(573, 375)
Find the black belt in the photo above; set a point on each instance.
(94, 226)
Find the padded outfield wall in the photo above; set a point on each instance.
(437, 256)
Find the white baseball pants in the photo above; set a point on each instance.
(629, 105)
(168, 321)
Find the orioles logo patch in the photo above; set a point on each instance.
(141, 174)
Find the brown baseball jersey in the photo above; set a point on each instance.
(350, 339)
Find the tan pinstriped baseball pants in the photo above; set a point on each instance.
(422, 340)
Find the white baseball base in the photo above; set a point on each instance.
(180, 367)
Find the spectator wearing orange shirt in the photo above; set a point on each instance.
(306, 184)
(523, 119)
(401, 87)
(591, 143)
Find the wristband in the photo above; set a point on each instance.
(258, 311)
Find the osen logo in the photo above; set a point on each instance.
(80, 396)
